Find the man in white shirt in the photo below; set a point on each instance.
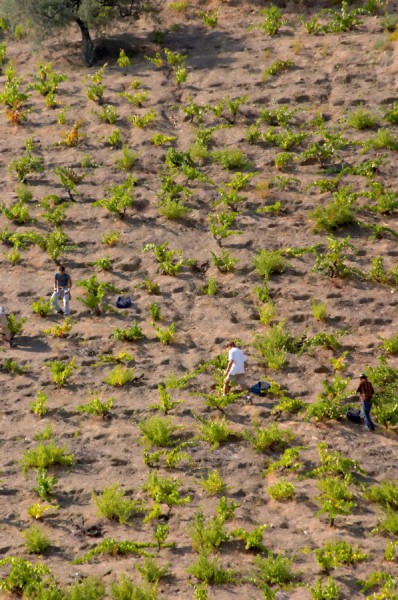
(235, 371)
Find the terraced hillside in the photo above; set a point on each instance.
(236, 177)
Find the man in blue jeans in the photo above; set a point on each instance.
(366, 391)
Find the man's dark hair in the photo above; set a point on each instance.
(61, 268)
(231, 344)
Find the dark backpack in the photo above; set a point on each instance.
(354, 415)
(123, 302)
(260, 388)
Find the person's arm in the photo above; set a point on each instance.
(55, 284)
(229, 367)
(70, 282)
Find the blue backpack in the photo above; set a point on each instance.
(123, 302)
(260, 388)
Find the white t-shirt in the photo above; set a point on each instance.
(238, 358)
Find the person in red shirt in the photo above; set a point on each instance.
(366, 391)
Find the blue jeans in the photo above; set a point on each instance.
(367, 405)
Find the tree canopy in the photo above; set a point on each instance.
(47, 15)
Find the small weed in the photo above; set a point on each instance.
(362, 119)
(129, 334)
(142, 121)
(273, 20)
(113, 505)
(213, 483)
(96, 407)
(335, 498)
(207, 569)
(36, 540)
(158, 432)
(61, 331)
(111, 238)
(39, 406)
(213, 432)
(278, 67)
(127, 161)
(44, 456)
(150, 571)
(166, 404)
(325, 591)
(45, 484)
(268, 262)
(120, 376)
(319, 310)
(282, 491)
(288, 460)
(166, 335)
(9, 365)
(230, 159)
(270, 438)
(336, 553)
(253, 539)
(275, 569)
(225, 262)
(61, 371)
(107, 114)
(383, 139)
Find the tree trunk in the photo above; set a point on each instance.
(88, 48)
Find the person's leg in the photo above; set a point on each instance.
(226, 386)
(54, 298)
(66, 303)
(5, 328)
(366, 414)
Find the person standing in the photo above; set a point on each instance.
(62, 287)
(235, 371)
(366, 391)
(4, 326)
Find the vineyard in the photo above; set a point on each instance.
(231, 167)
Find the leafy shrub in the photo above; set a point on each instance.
(362, 119)
(213, 432)
(15, 325)
(129, 334)
(23, 577)
(319, 309)
(39, 406)
(45, 484)
(95, 294)
(112, 504)
(269, 438)
(390, 345)
(166, 404)
(120, 197)
(207, 534)
(96, 407)
(163, 490)
(273, 20)
(230, 158)
(328, 591)
(279, 66)
(61, 371)
(150, 570)
(107, 114)
(383, 139)
(275, 569)
(127, 160)
(337, 213)
(166, 335)
(268, 262)
(335, 498)
(109, 547)
(385, 494)
(111, 238)
(158, 431)
(336, 553)
(171, 261)
(120, 376)
(61, 331)
(127, 590)
(42, 307)
(253, 539)
(332, 262)
(9, 365)
(333, 463)
(224, 262)
(288, 460)
(214, 483)
(208, 570)
(46, 455)
(330, 402)
(36, 540)
(273, 347)
(282, 491)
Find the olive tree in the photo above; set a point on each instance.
(45, 16)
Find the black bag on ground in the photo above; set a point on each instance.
(260, 388)
(123, 302)
(354, 415)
